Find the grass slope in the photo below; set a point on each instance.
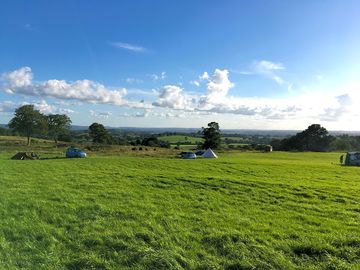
(241, 211)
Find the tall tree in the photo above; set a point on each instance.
(98, 133)
(58, 124)
(212, 136)
(314, 138)
(28, 121)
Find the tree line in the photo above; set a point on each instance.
(317, 139)
(28, 121)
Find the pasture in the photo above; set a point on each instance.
(122, 211)
(173, 139)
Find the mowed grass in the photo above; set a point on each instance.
(241, 211)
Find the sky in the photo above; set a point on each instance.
(255, 64)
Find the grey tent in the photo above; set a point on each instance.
(352, 159)
(209, 154)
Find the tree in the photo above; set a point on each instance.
(314, 138)
(28, 121)
(58, 124)
(211, 135)
(98, 133)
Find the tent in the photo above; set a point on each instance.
(209, 154)
(352, 159)
(25, 156)
(188, 155)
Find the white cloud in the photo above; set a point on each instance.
(331, 106)
(269, 70)
(100, 114)
(218, 86)
(217, 100)
(139, 114)
(127, 46)
(340, 107)
(172, 96)
(196, 83)
(47, 108)
(7, 107)
(157, 77)
(20, 82)
(217, 90)
(204, 76)
(20, 78)
(144, 113)
(265, 66)
(133, 80)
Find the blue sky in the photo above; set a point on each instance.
(246, 64)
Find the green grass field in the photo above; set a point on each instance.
(173, 139)
(241, 211)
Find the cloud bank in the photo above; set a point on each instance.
(173, 101)
(20, 81)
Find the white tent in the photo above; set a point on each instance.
(209, 154)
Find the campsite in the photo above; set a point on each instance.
(179, 135)
(120, 209)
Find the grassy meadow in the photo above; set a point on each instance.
(173, 139)
(154, 211)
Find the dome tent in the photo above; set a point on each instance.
(209, 154)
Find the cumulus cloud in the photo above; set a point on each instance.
(21, 82)
(217, 87)
(172, 96)
(47, 108)
(20, 78)
(173, 101)
(204, 76)
(128, 46)
(218, 100)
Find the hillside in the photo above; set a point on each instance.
(241, 211)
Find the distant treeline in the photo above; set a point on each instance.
(302, 141)
(316, 138)
(29, 122)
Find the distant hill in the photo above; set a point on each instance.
(259, 132)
